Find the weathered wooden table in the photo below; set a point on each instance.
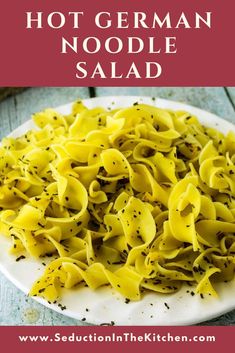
(15, 307)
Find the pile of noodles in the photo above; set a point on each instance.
(140, 198)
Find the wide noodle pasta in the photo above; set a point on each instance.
(140, 198)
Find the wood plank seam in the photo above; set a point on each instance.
(92, 92)
(229, 97)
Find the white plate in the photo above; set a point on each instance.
(105, 305)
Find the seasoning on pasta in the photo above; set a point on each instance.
(140, 198)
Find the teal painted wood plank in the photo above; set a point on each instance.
(213, 99)
(231, 94)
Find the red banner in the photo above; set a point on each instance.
(117, 43)
(116, 339)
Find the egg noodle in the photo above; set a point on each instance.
(140, 198)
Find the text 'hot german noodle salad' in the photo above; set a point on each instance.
(141, 199)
